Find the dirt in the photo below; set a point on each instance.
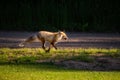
(100, 64)
(76, 40)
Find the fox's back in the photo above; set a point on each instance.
(48, 36)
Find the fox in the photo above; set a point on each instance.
(45, 36)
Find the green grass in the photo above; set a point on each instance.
(20, 64)
(51, 72)
(30, 55)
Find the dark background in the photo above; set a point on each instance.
(53, 15)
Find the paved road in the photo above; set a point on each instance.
(76, 40)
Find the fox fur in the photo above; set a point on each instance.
(45, 36)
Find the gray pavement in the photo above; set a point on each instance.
(11, 39)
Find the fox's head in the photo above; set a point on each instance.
(63, 35)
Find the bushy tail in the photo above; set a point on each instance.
(21, 44)
(28, 40)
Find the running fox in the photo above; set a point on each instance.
(43, 36)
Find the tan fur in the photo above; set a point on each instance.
(43, 36)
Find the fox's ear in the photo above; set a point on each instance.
(64, 30)
(59, 32)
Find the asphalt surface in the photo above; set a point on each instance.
(11, 39)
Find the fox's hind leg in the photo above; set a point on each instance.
(42, 41)
(50, 46)
(43, 45)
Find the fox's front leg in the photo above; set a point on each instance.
(53, 44)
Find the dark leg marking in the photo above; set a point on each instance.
(53, 44)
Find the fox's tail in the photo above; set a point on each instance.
(28, 40)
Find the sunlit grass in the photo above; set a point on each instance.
(33, 54)
(51, 72)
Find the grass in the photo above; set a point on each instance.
(20, 64)
(30, 55)
(51, 72)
